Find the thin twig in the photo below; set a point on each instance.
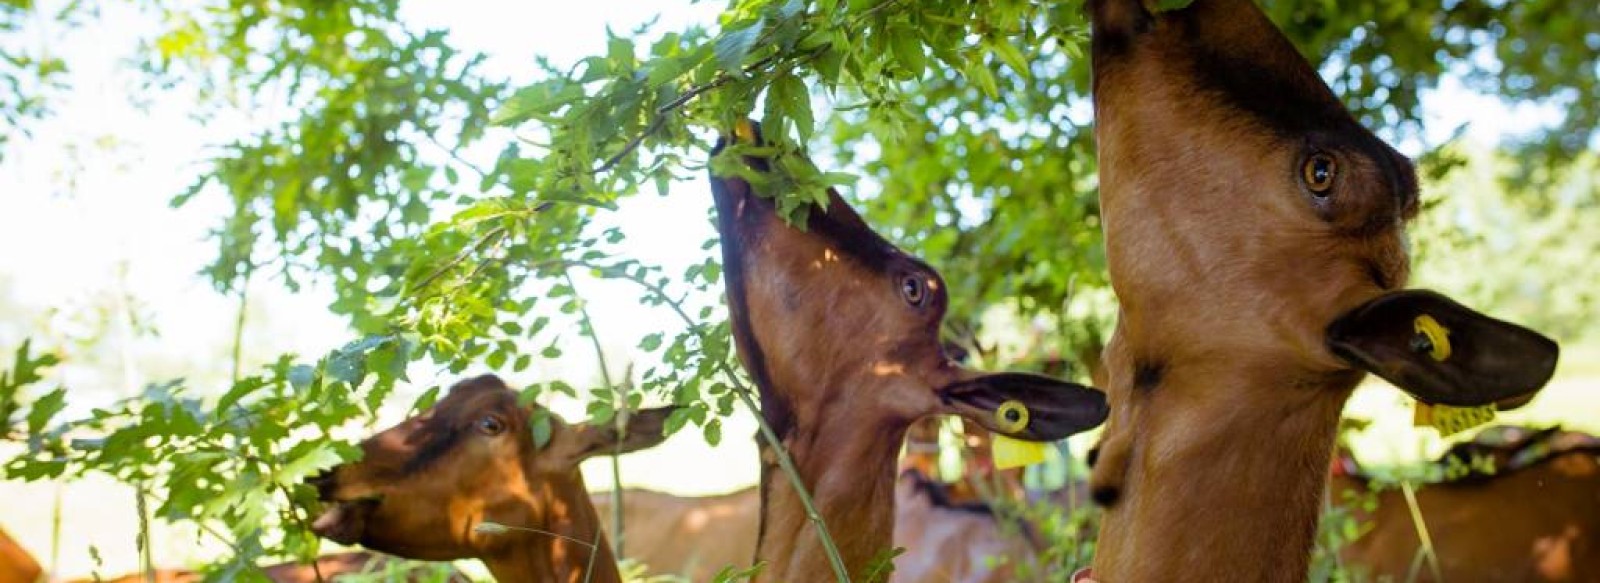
(238, 349)
(621, 416)
(224, 540)
(460, 257)
(239, 320)
(452, 153)
(784, 461)
(1422, 531)
(547, 533)
(294, 511)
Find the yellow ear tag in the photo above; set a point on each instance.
(1014, 453)
(1451, 420)
(1011, 417)
(744, 131)
(1433, 338)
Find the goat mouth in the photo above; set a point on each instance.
(344, 522)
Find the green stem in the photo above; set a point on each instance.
(55, 530)
(237, 552)
(239, 322)
(146, 560)
(594, 547)
(621, 420)
(841, 574)
(1422, 532)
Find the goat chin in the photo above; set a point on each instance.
(341, 522)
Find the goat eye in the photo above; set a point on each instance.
(1318, 171)
(913, 290)
(491, 426)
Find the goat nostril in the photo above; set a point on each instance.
(1105, 496)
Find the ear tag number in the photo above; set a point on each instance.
(1432, 338)
(1451, 420)
(1012, 416)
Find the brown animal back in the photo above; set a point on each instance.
(1508, 448)
(16, 565)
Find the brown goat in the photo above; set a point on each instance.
(1254, 237)
(980, 479)
(16, 564)
(1536, 518)
(692, 536)
(945, 541)
(425, 488)
(839, 329)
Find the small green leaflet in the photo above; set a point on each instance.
(733, 47)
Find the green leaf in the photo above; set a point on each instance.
(676, 420)
(46, 408)
(540, 427)
(906, 45)
(301, 376)
(978, 74)
(238, 391)
(426, 400)
(306, 459)
(536, 100)
(1011, 56)
(713, 431)
(563, 388)
(650, 342)
(735, 46)
(791, 99)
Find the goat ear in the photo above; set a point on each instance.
(1026, 406)
(1442, 352)
(585, 440)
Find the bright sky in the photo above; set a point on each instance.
(86, 198)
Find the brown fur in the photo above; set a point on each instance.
(16, 564)
(424, 485)
(682, 535)
(840, 331)
(1230, 271)
(944, 542)
(1537, 523)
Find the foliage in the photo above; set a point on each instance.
(1066, 538)
(1532, 257)
(28, 74)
